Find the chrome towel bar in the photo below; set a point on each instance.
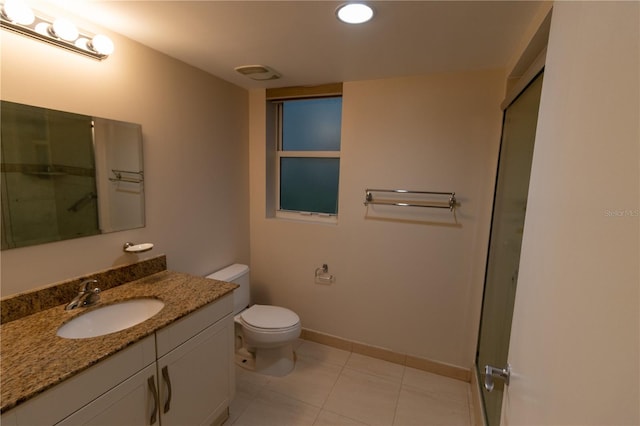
(449, 204)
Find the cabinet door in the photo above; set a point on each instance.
(195, 378)
(64, 399)
(133, 402)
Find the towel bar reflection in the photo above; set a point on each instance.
(119, 177)
(449, 204)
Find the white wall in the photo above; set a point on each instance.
(195, 130)
(575, 349)
(406, 280)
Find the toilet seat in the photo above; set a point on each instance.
(267, 331)
(267, 318)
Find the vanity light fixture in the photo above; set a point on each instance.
(16, 16)
(354, 13)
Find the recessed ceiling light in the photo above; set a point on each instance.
(354, 13)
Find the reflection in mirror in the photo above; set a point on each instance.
(120, 178)
(67, 175)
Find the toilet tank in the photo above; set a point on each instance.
(237, 274)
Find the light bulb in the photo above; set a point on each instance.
(43, 28)
(82, 43)
(102, 44)
(65, 29)
(354, 13)
(18, 12)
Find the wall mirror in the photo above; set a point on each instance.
(67, 175)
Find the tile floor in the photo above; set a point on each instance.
(330, 386)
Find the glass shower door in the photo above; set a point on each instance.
(510, 203)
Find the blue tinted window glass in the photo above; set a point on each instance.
(312, 124)
(309, 184)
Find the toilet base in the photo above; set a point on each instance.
(245, 359)
(278, 361)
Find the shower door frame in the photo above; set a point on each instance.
(508, 312)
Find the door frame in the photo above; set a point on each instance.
(527, 65)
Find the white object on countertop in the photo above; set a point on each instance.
(137, 248)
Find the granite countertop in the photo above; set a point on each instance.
(34, 358)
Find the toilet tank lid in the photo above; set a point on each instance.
(229, 273)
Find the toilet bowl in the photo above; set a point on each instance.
(269, 326)
(264, 333)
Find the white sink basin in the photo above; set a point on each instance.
(110, 318)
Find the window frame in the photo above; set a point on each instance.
(335, 91)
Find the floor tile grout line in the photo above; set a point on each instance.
(375, 375)
(347, 417)
(252, 398)
(336, 382)
(395, 410)
(380, 375)
(469, 404)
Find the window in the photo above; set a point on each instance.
(307, 157)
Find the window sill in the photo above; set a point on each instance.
(321, 218)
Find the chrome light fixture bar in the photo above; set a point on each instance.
(18, 17)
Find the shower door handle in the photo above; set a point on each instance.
(501, 373)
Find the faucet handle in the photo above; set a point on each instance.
(86, 296)
(84, 287)
(89, 294)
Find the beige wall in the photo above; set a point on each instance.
(195, 130)
(575, 339)
(406, 280)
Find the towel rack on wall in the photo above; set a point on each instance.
(119, 177)
(448, 204)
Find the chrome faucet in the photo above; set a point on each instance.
(86, 296)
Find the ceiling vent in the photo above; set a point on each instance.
(258, 72)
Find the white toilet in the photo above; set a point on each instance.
(264, 333)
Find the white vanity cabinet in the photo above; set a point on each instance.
(182, 375)
(196, 375)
